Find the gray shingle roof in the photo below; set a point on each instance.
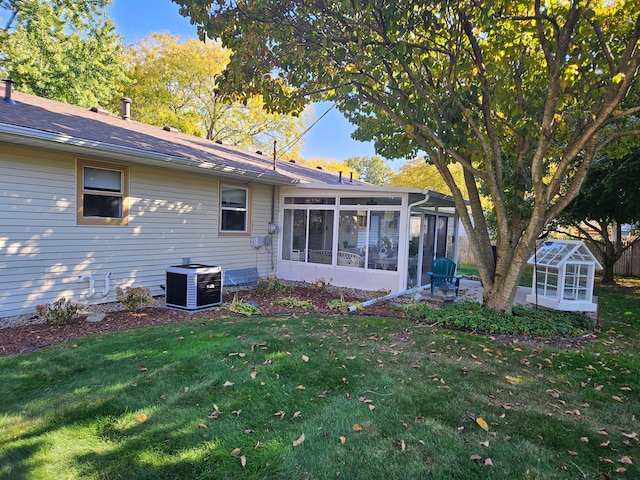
(63, 123)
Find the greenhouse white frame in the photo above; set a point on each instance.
(563, 276)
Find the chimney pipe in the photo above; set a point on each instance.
(8, 86)
(126, 108)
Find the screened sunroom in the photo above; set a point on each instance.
(563, 276)
(367, 237)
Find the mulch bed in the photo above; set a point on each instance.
(28, 337)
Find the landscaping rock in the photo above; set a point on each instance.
(96, 317)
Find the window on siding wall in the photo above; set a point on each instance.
(103, 191)
(234, 209)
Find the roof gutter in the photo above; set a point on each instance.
(38, 138)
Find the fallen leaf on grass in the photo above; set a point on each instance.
(584, 439)
(202, 425)
(143, 368)
(617, 398)
(295, 415)
(403, 446)
(305, 358)
(227, 384)
(475, 457)
(357, 427)
(279, 413)
(343, 440)
(606, 460)
(572, 453)
(630, 435)
(372, 407)
(142, 417)
(260, 445)
(254, 374)
(300, 387)
(235, 452)
(626, 460)
(243, 461)
(483, 424)
(216, 412)
(299, 441)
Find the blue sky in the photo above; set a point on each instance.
(329, 138)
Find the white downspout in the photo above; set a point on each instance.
(92, 290)
(107, 286)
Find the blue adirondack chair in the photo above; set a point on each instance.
(443, 271)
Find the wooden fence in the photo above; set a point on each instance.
(627, 266)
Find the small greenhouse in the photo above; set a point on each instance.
(563, 276)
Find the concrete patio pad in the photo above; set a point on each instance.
(472, 290)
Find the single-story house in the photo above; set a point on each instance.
(90, 201)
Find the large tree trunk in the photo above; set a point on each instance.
(499, 297)
(607, 276)
(612, 251)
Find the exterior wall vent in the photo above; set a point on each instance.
(126, 108)
(8, 87)
(99, 110)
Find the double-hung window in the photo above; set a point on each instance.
(102, 194)
(234, 209)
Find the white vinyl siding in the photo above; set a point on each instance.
(172, 215)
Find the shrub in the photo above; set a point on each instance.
(60, 312)
(340, 304)
(240, 306)
(523, 320)
(272, 284)
(293, 302)
(320, 284)
(134, 298)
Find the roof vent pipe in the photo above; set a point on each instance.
(126, 108)
(8, 86)
(350, 177)
(340, 176)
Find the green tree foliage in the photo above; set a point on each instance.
(373, 169)
(420, 174)
(523, 94)
(61, 49)
(174, 82)
(610, 197)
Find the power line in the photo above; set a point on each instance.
(290, 145)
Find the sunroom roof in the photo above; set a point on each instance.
(555, 253)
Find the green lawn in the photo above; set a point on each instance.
(373, 397)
